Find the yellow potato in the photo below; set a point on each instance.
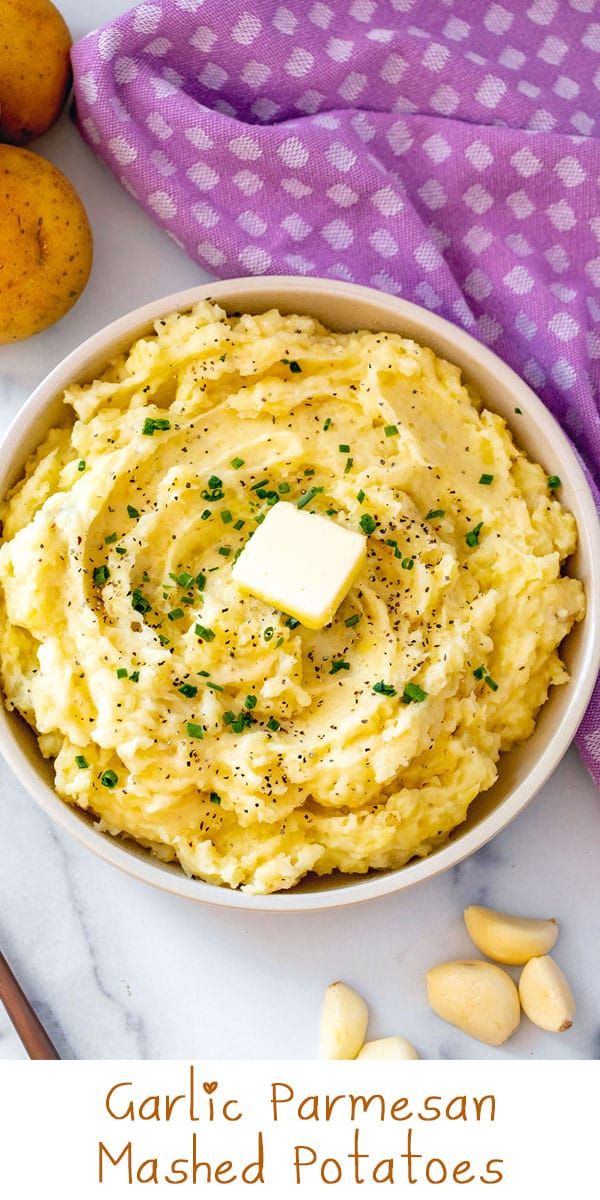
(35, 69)
(45, 244)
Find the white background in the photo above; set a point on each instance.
(118, 970)
(544, 1129)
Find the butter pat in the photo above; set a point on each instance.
(301, 563)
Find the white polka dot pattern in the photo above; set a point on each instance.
(451, 157)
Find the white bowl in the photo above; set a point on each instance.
(521, 772)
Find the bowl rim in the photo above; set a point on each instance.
(111, 850)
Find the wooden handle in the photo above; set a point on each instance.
(28, 1026)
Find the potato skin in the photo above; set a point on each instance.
(35, 69)
(45, 244)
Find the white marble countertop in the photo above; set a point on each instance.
(118, 970)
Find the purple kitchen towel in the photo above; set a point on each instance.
(446, 152)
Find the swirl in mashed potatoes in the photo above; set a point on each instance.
(205, 724)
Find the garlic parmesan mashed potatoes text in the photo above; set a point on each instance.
(214, 729)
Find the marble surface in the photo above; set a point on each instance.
(118, 970)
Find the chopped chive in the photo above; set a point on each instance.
(368, 523)
(236, 463)
(120, 550)
(239, 524)
(193, 730)
(261, 484)
(203, 632)
(384, 689)
(407, 564)
(204, 674)
(268, 633)
(215, 687)
(81, 464)
(135, 677)
(472, 537)
(214, 483)
(390, 430)
(491, 683)
(81, 762)
(164, 641)
(479, 672)
(121, 672)
(353, 620)
(132, 512)
(308, 496)
(206, 514)
(154, 424)
(175, 614)
(188, 689)
(250, 701)
(244, 720)
(344, 448)
(215, 798)
(294, 366)
(292, 622)
(349, 465)
(434, 512)
(112, 537)
(519, 411)
(259, 518)
(200, 581)
(327, 424)
(486, 479)
(360, 496)
(101, 574)
(283, 488)
(553, 482)
(338, 664)
(309, 471)
(273, 723)
(413, 693)
(226, 516)
(109, 779)
(184, 579)
(225, 551)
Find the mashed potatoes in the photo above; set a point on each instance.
(214, 729)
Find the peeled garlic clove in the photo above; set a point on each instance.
(507, 939)
(477, 997)
(343, 1022)
(389, 1047)
(546, 996)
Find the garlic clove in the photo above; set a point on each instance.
(508, 939)
(477, 997)
(343, 1022)
(389, 1047)
(546, 996)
